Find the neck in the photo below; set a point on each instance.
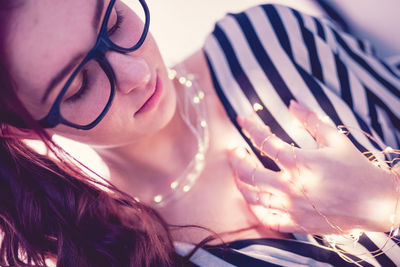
(149, 167)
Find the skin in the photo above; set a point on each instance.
(136, 159)
(135, 148)
(336, 164)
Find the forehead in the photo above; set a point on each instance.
(44, 36)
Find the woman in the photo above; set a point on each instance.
(132, 121)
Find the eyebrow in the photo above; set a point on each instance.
(74, 61)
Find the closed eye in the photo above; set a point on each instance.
(82, 90)
(117, 25)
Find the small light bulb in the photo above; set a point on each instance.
(199, 167)
(158, 198)
(171, 74)
(174, 185)
(277, 143)
(285, 175)
(199, 156)
(324, 119)
(136, 199)
(186, 188)
(191, 177)
(241, 152)
(182, 80)
(257, 107)
(396, 232)
(201, 94)
(388, 150)
(196, 99)
(356, 233)
(203, 124)
(188, 84)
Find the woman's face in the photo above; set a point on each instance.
(50, 37)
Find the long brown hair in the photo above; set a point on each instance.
(49, 208)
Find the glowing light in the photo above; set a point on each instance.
(392, 218)
(271, 217)
(201, 94)
(341, 131)
(396, 232)
(324, 119)
(277, 143)
(203, 123)
(296, 124)
(182, 80)
(158, 198)
(356, 233)
(388, 150)
(186, 188)
(311, 179)
(171, 74)
(285, 175)
(241, 152)
(192, 177)
(381, 208)
(196, 99)
(189, 84)
(332, 239)
(174, 185)
(199, 167)
(257, 107)
(199, 156)
(136, 199)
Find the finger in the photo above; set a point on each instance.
(254, 196)
(321, 128)
(268, 143)
(248, 172)
(275, 219)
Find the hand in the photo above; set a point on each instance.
(333, 189)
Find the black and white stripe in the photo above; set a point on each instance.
(271, 54)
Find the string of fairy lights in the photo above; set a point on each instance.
(193, 112)
(335, 242)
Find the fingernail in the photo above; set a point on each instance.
(292, 102)
(296, 106)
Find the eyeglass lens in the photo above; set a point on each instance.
(90, 90)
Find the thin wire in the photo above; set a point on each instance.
(354, 237)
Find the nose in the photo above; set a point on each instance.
(131, 72)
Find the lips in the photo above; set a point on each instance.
(152, 100)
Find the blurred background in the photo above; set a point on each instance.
(181, 26)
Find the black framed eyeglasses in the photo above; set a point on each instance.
(94, 77)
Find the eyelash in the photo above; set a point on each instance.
(84, 86)
(82, 91)
(117, 25)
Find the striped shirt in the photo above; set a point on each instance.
(271, 54)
